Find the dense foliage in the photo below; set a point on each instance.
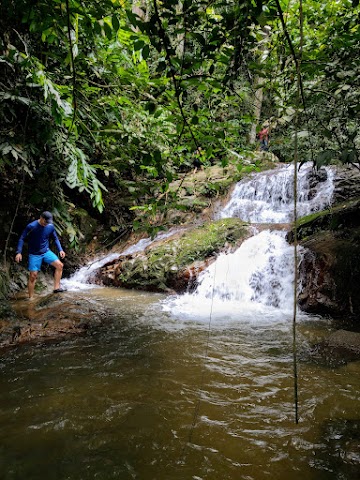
(329, 67)
(108, 100)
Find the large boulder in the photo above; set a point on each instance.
(174, 263)
(346, 183)
(330, 267)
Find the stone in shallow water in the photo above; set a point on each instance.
(345, 339)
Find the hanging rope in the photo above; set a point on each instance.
(295, 279)
(300, 99)
(206, 354)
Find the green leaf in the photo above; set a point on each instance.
(138, 45)
(199, 38)
(97, 28)
(145, 52)
(115, 22)
(150, 107)
(108, 31)
(132, 18)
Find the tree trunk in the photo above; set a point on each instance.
(258, 99)
(258, 88)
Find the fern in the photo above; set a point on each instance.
(82, 175)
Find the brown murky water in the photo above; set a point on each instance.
(154, 397)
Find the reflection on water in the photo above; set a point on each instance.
(121, 403)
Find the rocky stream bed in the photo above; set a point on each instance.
(330, 270)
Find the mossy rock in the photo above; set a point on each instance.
(161, 266)
(340, 219)
(330, 268)
(217, 179)
(87, 224)
(4, 283)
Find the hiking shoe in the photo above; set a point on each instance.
(60, 290)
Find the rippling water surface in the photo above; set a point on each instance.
(152, 396)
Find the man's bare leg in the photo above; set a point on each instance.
(58, 273)
(31, 283)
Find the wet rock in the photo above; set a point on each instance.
(339, 348)
(330, 267)
(346, 183)
(315, 177)
(174, 263)
(345, 339)
(49, 317)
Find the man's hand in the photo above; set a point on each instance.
(18, 257)
(62, 254)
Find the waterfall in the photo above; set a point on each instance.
(82, 278)
(268, 197)
(258, 276)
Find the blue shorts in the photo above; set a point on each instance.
(35, 261)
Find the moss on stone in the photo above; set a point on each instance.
(4, 283)
(339, 218)
(332, 271)
(161, 265)
(195, 189)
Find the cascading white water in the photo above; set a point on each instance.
(259, 276)
(82, 277)
(268, 197)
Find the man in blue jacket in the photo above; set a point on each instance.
(38, 234)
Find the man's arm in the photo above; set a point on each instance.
(21, 241)
(58, 244)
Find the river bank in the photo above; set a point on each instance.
(50, 317)
(175, 260)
